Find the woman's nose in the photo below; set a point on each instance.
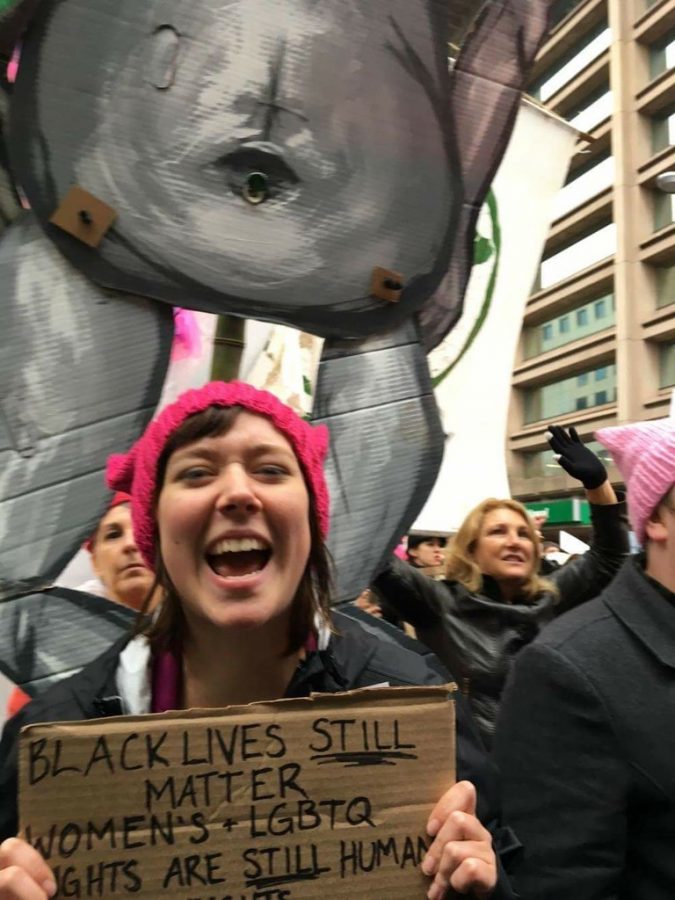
(236, 492)
(129, 543)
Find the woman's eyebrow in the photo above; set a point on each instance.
(261, 449)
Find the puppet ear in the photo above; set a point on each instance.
(487, 82)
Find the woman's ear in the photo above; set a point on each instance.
(655, 528)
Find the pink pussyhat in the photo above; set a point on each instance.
(118, 499)
(645, 455)
(136, 471)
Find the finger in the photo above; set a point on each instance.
(555, 439)
(461, 797)
(574, 435)
(474, 871)
(475, 876)
(16, 884)
(15, 853)
(459, 828)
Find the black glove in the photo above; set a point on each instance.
(575, 458)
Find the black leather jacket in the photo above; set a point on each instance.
(477, 635)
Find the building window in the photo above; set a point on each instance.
(582, 380)
(561, 397)
(584, 252)
(585, 182)
(549, 335)
(663, 131)
(600, 398)
(542, 464)
(599, 309)
(587, 49)
(664, 209)
(662, 55)
(562, 8)
(665, 285)
(667, 365)
(595, 109)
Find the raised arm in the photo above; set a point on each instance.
(584, 578)
(416, 598)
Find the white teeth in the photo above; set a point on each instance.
(237, 545)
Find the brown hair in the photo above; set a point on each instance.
(314, 591)
(461, 565)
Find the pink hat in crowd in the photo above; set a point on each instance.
(645, 455)
(119, 497)
(136, 471)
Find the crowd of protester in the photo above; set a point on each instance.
(565, 667)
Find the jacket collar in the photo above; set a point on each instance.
(644, 610)
(111, 686)
(95, 690)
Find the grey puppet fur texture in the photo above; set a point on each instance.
(81, 371)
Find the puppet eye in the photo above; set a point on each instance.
(164, 57)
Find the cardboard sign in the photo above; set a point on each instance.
(320, 797)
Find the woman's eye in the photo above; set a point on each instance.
(194, 473)
(272, 469)
(112, 535)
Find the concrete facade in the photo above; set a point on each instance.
(614, 240)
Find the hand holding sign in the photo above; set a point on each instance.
(461, 856)
(24, 875)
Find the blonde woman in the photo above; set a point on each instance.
(493, 601)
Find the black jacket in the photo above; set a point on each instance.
(355, 658)
(477, 635)
(586, 744)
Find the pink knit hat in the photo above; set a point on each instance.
(645, 455)
(136, 471)
(118, 499)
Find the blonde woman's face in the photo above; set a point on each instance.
(504, 549)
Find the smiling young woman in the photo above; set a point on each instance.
(493, 600)
(230, 508)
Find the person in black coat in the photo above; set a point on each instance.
(230, 508)
(585, 739)
(493, 601)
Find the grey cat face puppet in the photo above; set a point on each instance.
(262, 156)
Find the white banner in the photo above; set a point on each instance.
(475, 362)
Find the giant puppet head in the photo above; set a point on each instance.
(311, 162)
(262, 156)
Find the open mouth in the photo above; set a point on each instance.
(237, 557)
(513, 558)
(257, 172)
